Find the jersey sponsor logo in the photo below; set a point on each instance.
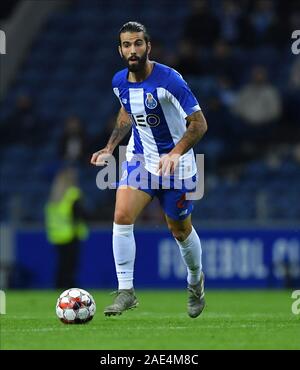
(150, 101)
(148, 120)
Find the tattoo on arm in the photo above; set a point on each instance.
(196, 129)
(120, 131)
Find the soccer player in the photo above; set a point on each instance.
(166, 123)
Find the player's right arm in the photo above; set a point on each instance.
(120, 131)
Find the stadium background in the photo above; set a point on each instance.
(60, 58)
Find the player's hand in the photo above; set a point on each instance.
(168, 164)
(101, 157)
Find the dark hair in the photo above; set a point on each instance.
(134, 27)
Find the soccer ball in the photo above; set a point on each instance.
(75, 306)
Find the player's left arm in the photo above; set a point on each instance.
(196, 128)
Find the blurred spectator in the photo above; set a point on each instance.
(158, 52)
(73, 143)
(229, 21)
(223, 63)
(226, 92)
(221, 144)
(187, 62)
(234, 24)
(23, 126)
(267, 27)
(258, 103)
(65, 227)
(219, 118)
(259, 106)
(193, 61)
(201, 26)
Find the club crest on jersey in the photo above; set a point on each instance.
(150, 101)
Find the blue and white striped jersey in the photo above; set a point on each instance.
(158, 107)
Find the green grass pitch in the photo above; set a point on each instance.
(231, 320)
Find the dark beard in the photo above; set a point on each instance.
(140, 65)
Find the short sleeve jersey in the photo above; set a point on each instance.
(158, 107)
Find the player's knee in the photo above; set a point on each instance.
(179, 234)
(123, 218)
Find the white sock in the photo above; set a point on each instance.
(191, 252)
(124, 254)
